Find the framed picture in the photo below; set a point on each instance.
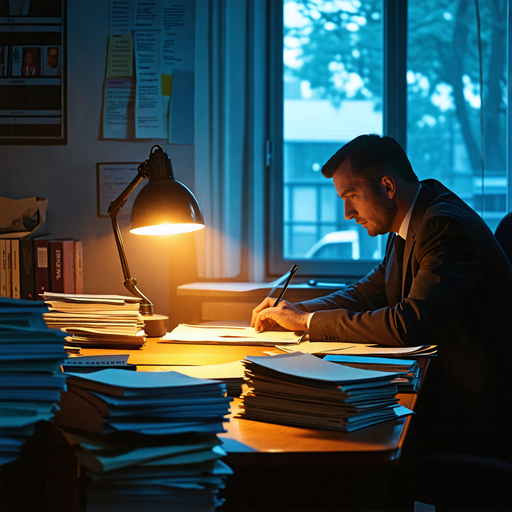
(33, 107)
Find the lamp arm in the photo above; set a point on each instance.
(146, 307)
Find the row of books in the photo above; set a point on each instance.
(32, 266)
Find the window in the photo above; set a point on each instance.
(340, 68)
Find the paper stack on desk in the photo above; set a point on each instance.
(148, 439)
(97, 321)
(31, 380)
(305, 391)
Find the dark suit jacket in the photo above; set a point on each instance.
(456, 293)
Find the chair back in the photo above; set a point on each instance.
(504, 234)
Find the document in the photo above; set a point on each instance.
(119, 108)
(120, 56)
(149, 115)
(121, 14)
(225, 335)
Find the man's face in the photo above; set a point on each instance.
(374, 211)
(29, 59)
(52, 59)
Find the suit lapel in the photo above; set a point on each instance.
(417, 215)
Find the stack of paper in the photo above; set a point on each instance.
(148, 439)
(407, 383)
(31, 380)
(101, 321)
(305, 391)
(226, 335)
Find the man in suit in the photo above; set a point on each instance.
(444, 280)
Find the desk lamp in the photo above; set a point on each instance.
(164, 206)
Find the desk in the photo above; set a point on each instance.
(279, 468)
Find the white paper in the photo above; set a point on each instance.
(147, 15)
(178, 40)
(149, 118)
(229, 335)
(121, 13)
(351, 348)
(119, 108)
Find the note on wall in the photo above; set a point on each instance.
(119, 108)
(121, 15)
(149, 117)
(120, 56)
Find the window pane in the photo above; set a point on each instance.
(443, 108)
(333, 62)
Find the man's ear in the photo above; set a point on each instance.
(388, 184)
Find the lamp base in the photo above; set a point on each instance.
(155, 325)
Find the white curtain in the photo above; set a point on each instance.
(230, 129)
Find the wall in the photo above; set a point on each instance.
(66, 175)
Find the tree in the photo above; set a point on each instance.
(340, 40)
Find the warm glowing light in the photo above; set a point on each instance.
(167, 229)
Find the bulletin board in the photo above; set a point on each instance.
(33, 48)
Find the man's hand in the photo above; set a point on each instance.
(266, 318)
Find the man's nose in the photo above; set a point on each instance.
(350, 212)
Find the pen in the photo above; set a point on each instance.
(288, 281)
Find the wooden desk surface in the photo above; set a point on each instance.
(378, 444)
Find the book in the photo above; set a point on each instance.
(15, 268)
(62, 265)
(79, 267)
(3, 269)
(41, 268)
(27, 274)
(8, 268)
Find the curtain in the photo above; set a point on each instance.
(230, 130)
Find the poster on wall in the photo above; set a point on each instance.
(33, 72)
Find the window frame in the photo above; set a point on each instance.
(395, 24)
(394, 124)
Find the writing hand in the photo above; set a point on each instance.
(265, 317)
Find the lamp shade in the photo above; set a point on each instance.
(164, 206)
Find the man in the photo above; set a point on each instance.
(452, 287)
(30, 66)
(52, 67)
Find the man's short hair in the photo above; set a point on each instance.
(372, 157)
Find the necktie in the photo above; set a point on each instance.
(399, 244)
